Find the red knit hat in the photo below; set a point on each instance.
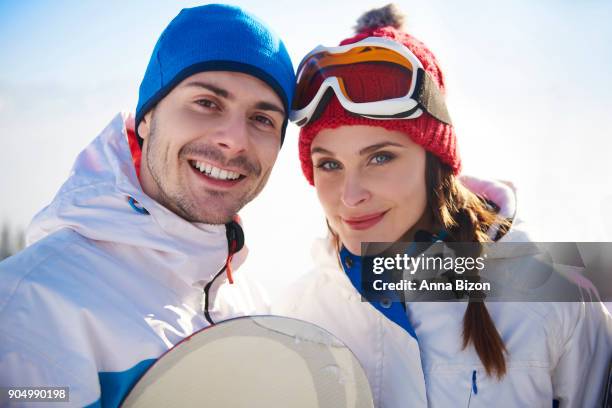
(435, 136)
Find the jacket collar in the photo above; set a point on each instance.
(94, 202)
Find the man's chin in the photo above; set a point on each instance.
(216, 214)
(212, 214)
(209, 217)
(213, 220)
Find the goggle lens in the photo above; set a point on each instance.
(365, 74)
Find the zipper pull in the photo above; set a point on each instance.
(235, 242)
(228, 262)
(474, 386)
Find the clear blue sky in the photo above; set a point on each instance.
(529, 91)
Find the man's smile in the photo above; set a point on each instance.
(215, 172)
(216, 176)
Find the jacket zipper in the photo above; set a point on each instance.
(473, 388)
(235, 242)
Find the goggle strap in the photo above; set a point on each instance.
(428, 95)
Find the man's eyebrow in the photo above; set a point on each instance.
(263, 105)
(377, 146)
(215, 89)
(270, 107)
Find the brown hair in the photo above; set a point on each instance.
(467, 218)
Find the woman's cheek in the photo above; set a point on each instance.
(326, 192)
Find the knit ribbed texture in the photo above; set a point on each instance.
(436, 137)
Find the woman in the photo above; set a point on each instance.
(377, 143)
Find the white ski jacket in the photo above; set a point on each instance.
(104, 289)
(555, 350)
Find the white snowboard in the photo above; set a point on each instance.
(264, 361)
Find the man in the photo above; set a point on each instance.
(134, 253)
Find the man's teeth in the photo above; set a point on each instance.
(215, 172)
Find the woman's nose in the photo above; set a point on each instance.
(354, 192)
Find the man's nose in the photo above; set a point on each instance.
(232, 134)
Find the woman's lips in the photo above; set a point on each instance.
(365, 221)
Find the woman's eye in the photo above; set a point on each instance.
(381, 158)
(207, 103)
(328, 165)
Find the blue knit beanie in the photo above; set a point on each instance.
(215, 37)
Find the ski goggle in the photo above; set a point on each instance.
(320, 76)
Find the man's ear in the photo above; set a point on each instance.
(144, 127)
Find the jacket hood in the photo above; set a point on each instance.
(94, 202)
